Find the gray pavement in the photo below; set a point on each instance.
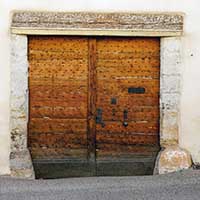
(183, 185)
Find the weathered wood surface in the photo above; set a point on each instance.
(92, 99)
(124, 63)
(97, 23)
(70, 77)
(58, 85)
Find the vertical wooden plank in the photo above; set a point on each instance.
(92, 99)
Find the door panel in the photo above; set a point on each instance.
(130, 119)
(58, 74)
(94, 105)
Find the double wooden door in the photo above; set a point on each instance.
(94, 103)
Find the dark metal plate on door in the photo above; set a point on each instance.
(136, 90)
(113, 101)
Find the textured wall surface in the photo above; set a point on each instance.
(19, 89)
(132, 23)
(173, 159)
(171, 63)
(20, 160)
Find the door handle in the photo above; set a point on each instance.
(125, 123)
(99, 119)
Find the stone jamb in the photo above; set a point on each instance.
(170, 76)
(20, 159)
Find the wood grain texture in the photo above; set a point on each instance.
(115, 152)
(58, 75)
(71, 77)
(123, 63)
(92, 99)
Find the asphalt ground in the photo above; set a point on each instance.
(184, 185)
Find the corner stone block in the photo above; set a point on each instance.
(21, 164)
(169, 128)
(173, 159)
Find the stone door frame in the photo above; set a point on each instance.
(167, 26)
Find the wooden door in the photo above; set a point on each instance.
(94, 101)
(127, 102)
(58, 86)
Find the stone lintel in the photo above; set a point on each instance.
(92, 23)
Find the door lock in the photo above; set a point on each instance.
(125, 123)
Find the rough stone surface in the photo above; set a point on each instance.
(19, 94)
(158, 22)
(173, 87)
(172, 159)
(20, 160)
(170, 76)
(21, 164)
(169, 128)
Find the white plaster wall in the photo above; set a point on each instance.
(190, 99)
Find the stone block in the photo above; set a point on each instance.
(173, 159)
(19, 94)
(170, 84)
(169, 128)
(21, 164)
(171, 56)
(158, 24)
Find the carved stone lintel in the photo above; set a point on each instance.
(90, 23)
